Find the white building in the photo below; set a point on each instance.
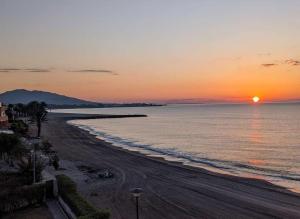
(3, 116)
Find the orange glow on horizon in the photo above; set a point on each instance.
(255, 99)
(212, 82)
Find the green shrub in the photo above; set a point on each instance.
(22, 196)
(65, 184)
(98, 215)
(19, 127)
(55, 162)
(68, 191)
(12, 180)
(46, 147)
(26, 168)
(10, 147)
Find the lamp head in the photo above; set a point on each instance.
(136, 192)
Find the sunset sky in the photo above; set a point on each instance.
(148, 50)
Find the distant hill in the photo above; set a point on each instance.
(26, 96)
(54, 100)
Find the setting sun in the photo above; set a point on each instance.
(255, 99)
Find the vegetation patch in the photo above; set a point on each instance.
(82, 209)
(19, 127)
(18, 187)
(16, 197)
(11, 148)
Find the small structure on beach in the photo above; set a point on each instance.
(3, 116)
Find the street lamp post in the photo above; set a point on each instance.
(136, 192)
(35, 143)
(34, 163)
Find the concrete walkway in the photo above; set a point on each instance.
(56, 210)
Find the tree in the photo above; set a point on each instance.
(19, 127)
(20, 109)
(10, 112)
(38, 114)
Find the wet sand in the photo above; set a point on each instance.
(171, 190)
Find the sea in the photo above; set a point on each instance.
(250, 140)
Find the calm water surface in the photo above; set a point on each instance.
(260, 141)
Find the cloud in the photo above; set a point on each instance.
(267, 65)
(24, 70)
(9, 69)
(45, 70)
(96, 71)
(37, 70)
(292, 62)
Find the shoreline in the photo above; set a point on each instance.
(234, 182)
(153, 153)
(162, 158)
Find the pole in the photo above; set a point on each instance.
(34, 164)
(137, 207)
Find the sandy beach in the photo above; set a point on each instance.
(171, 190)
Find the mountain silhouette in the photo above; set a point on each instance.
(26, 96)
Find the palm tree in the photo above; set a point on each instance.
(10, 112)
(20, 109)
(38, 114)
